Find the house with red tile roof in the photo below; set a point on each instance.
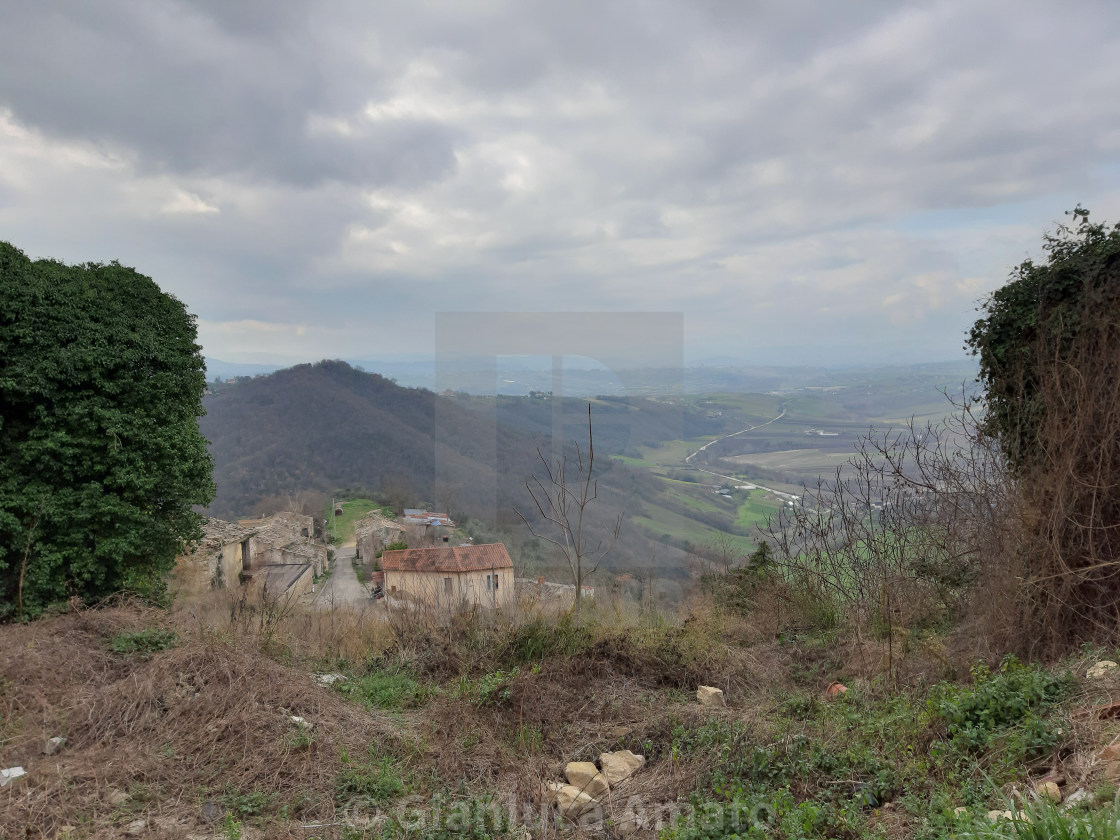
(450, 576)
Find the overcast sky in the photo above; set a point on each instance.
(319, 179)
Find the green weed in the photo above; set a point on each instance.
(386, 690)
(1015, 695)
(144, 643)
(254, 803)
(373, 781)
(489, 688)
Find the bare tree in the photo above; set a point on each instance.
(905, 528)
(562, 501)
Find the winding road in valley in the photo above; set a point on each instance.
(779, 493)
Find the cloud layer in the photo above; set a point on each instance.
(319, 179)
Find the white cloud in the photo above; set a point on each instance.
(187, 203)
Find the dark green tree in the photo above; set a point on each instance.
(101, 459)
(1033, 321)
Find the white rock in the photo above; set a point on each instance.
(1078, 797)
(117, 797)
(620, 765)
(1000, 815)
(298, 721)
(710, 696)
(1048, 790)
(569, 800)
(585, 776)
(330, 679)
(53, 745)
(626, 824)
(1101, 669)
(10, 775)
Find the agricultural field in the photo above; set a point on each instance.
(779, 442)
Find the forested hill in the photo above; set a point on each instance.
(327, 426)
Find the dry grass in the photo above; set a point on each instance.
(173, 739)
(156, 739)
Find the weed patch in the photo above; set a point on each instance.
(385, 690)
(1013, 696)
(144, 643)
(375, 781)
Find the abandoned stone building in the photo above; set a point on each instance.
(286, 556)
(424, 528)
(276, 556)
(450, 577)
(217, 561)
(374, 533)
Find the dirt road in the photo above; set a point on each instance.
(342, 588)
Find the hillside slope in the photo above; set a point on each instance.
(328, 425)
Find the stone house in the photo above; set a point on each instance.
(217, 561)
(450, 577)
(286, 557)
(424, 528)
(374, 533)
(286, 538)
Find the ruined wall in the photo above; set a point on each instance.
(208, 568)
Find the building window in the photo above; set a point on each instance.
(488, 586)
(495, 582)
(447, 585)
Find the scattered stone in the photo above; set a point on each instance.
(1048, 790)
(586, 776)
(136, 828)
(53, 745)
(835, 690)
(298, 721)
(1101, 669)
(626, 824)
(1000, 815)
(569, 800)
(711, 696)
(1078, 797)
(959, 810)
(327, 680)
(116, 797)
(212, 811)
(10, 775)
(620, 765)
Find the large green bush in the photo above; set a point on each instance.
(101, 459)
(1033, 320)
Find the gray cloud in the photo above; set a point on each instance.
(305, 170)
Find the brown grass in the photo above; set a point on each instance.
(172, 732)
(172, 740)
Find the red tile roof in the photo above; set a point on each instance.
(446, 558)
